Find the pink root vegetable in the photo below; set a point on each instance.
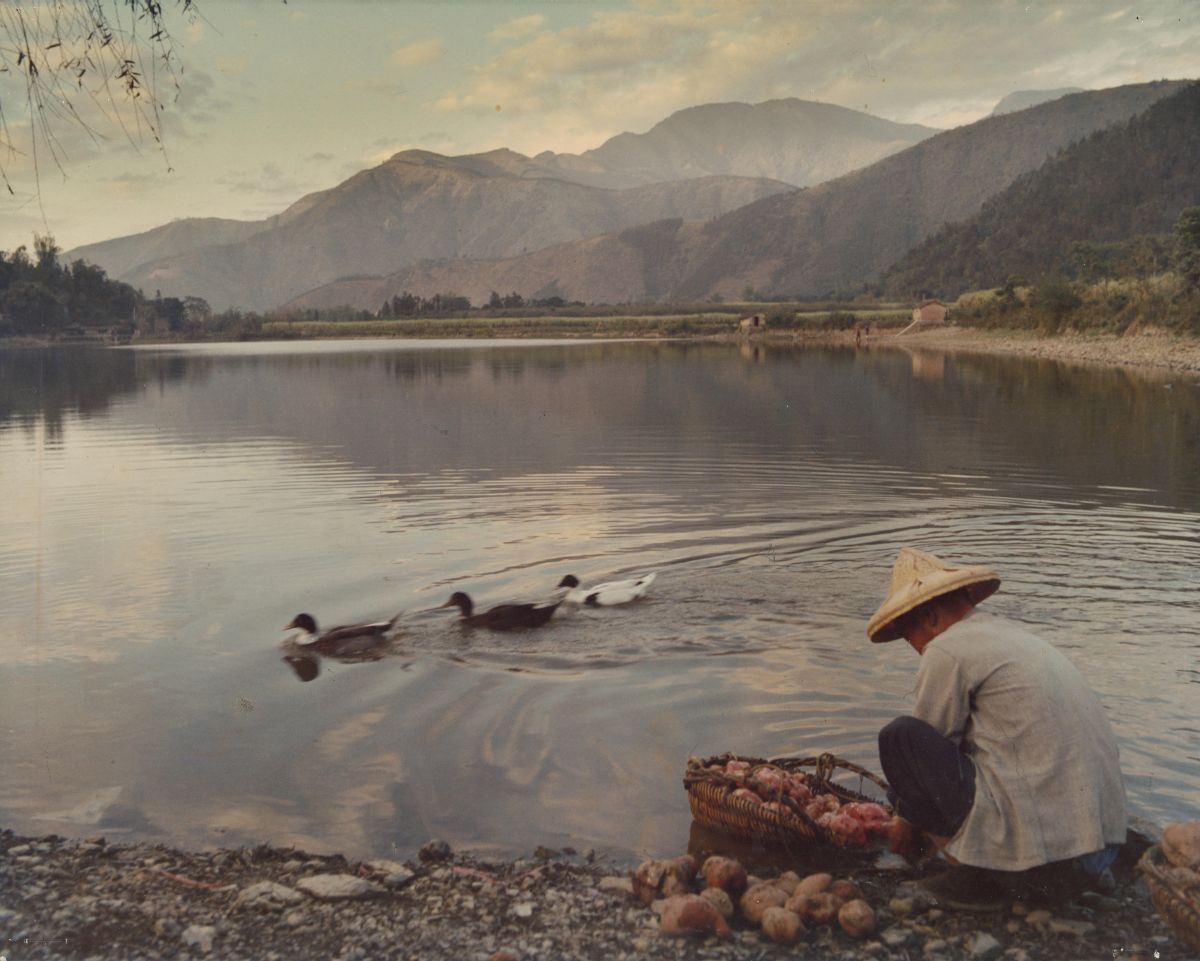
(814, 884)
(692, 914)
(865, 811)
(767, 781)
(758, 898)
(782, 926)
(847, 830)
(724, 873)
(846, 890)
(787, 882)
(657, 879)
(721, 900)
(856, 918)
(823, 908)
(796, 788)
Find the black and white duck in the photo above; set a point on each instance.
(347, 640)
(608, 594)
(503, 617)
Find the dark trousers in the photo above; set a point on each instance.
(932, 782)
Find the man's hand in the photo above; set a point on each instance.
(909, 841)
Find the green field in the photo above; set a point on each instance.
(634, 325)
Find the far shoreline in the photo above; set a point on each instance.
(1146, 350)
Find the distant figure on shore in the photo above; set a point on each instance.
(1008, 764)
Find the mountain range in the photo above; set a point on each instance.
(1132, 179)
(829, 239)
(695, 165)
(785, 198)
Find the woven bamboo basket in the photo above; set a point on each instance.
(709, 795)
(1176, 894)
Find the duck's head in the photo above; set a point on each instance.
(462, 602)
(303, 622)
(569, 581)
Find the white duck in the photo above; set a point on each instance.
(607, 594)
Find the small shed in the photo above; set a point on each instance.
(929, 312)
(753, 323)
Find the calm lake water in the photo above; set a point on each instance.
(166, 512)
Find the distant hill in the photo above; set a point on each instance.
(122, 255)
(1023, 99)
(417, 205)
(797, 141)
(420, 205)
(827, 239)
(1131, 179)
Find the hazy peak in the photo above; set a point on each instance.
(1023, 99)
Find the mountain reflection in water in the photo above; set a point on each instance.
(165, 509)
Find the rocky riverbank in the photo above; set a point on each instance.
(92, 899)
(1151, 350)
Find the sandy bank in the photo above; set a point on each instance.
(1150, 350)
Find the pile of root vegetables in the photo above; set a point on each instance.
(704, 899)
(849, 823)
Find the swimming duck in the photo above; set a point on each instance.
(607, 594)
(504, 617)
(348, 640)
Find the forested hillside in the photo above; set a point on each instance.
(1132, 179)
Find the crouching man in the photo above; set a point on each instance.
(1008, 763)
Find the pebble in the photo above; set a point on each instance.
(1078, 929)
(523, 910)
(336, 887)
(616, 885)
(902, 907)
(1101, 902)
(503, 955)
(1040, 916)
(267, 894)
(395, 874)
(896, 937)
(18, 849)
(933, 946)
(1020, 909)
(984, 946)
(199, 936)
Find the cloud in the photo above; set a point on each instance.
(375, 85)
(232, 66)
(316, 158)
(129, 182)
(625, 68)
(421, 53)
(518, 28)
(267, 181)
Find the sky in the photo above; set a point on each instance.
(277, 99)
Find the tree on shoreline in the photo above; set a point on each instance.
(1187, 247)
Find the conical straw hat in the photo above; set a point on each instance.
(918, 577)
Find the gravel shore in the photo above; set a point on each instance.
(1148, 350)
(64, 898)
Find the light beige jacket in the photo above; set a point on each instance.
(1048, 782)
